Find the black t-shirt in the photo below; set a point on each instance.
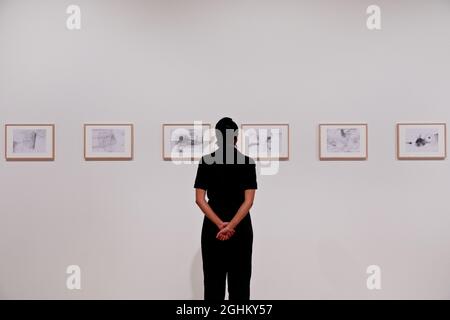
(226, 181)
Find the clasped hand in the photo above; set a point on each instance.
(225, 232)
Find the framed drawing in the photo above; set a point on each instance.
(343, 142)
(108, 141)
(265, 141)
(30, 142)
(185, 141)
(421, 141)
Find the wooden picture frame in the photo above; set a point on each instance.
(185, 141)
(30, 142)
(108, 142)
(421, 141)
(343, 141)
(250, 145)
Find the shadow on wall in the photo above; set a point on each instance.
(197, 276)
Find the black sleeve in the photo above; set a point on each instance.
(201, 180)
(249, 181)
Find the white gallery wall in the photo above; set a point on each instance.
(133, 227)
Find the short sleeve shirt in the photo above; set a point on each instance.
(225, 183)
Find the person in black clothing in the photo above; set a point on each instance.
(229, 179)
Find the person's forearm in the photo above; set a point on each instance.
(240, 214)
(210, 214)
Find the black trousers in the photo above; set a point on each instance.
(230, 259)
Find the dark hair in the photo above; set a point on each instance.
(225, 126)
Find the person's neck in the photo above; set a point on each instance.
(226, 148)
